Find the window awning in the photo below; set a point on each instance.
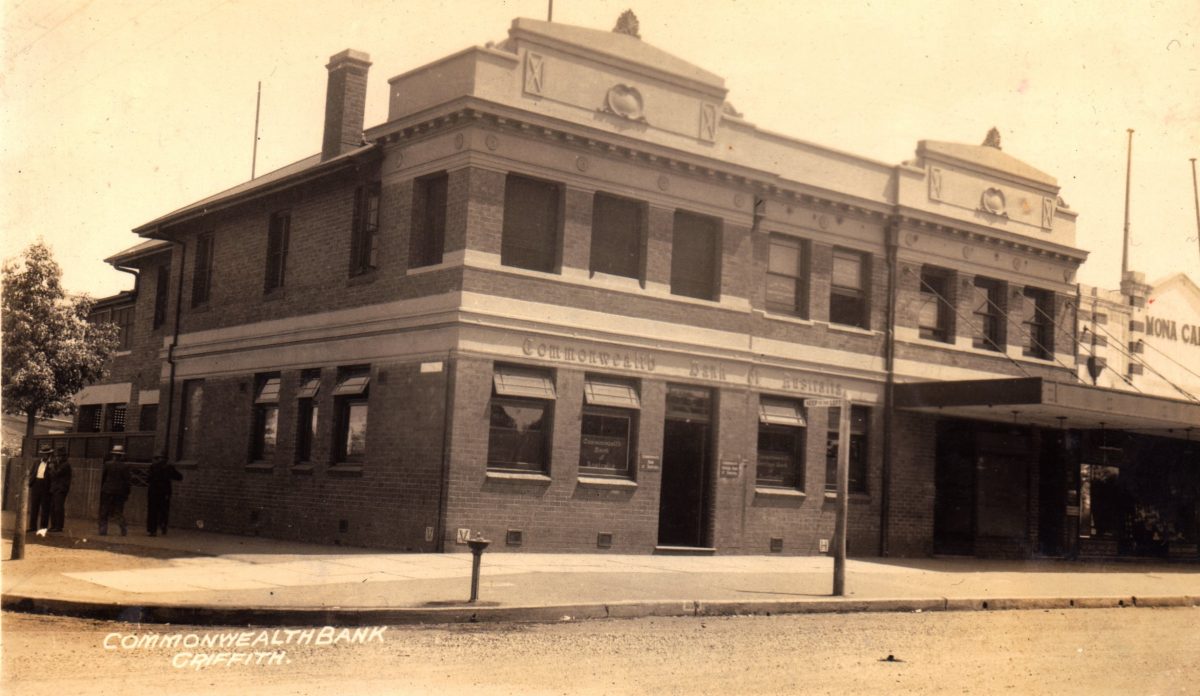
(309, 386)
(354, 384)
(530, 384)
(780, 412)
(1037, 401)
(599, 392)
(268, 391)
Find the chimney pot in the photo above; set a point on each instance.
(345, 102)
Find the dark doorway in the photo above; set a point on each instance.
(954, 497)
(1054, 466)
(682, 510)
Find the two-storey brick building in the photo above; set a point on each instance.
(567, 297)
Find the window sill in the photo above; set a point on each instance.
(429, 268)
(847, 328)
(122, 353)
(363, 278)
(344, 469)
(606, 482)
(260, 466)
(302, 468)
(854, 495)
(788, 318)
(517, 476)
(771, 492)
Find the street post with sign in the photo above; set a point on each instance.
(843, 488)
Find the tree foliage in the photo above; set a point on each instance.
(51, 351)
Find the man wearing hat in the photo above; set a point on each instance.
(114, 489)
(39, 489)
(60, 485)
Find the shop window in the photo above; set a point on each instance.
(278, 234)
(364, 234)
(859, 422)
(202, 268)
(531, 224)
(161, 291)
(266, 417)
(306, 414)
(90, 418)
(617, 236)
(1038, 322)
(123, 318)
(350, 410)
(781, 435)
(148, 417)
(988, 315)
(189, 419)
(427, 240)
(787, 276)
(936, 313)
(609, 429)
(848, 293)
(521, 410)
(694, 256)
(116, 418)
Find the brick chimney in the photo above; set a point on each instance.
(345, 102)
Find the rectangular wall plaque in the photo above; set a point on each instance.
(731, 468)
(649, 462)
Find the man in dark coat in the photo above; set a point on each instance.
(60, 485)
(158, 494)
(39, 489)
(114, 489)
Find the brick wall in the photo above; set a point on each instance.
(910, 518)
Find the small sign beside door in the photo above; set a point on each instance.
(649, 462)
(731, 468)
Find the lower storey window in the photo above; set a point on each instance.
(350, 404)
(517, 437)
(604, 446)
(266, 425)
(859, 417)
(781, 430)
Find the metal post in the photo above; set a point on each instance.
(1128, 173)
(22, 485)
(257, 108)
(1196, 196)
(478, 544)
(843, 500)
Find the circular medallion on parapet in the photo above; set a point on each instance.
(993, 201)
(823, 222)
(911, 238)
(459, 140)
(492, 141)
(1069, 275)
(624, 100)
(1016, 263)
(739, 200)
(664, 183)
(967, 251)
(581, 163)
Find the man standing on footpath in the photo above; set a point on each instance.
(114, 489)
(158, 494)
(39, 489)
(60, 485)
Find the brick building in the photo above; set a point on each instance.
(566, 296)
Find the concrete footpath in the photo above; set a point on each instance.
(198, 577)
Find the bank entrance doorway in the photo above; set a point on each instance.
(683, 505)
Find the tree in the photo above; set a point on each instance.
(51, 351)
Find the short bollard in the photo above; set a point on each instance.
(478, 544)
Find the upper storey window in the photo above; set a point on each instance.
(617, 236)
(428, 238)
(531, 224)
(988, 314)
(202, 269)
(787, 276)
(1038, 321)
(695, 264)
(364, 236)
(848, 294)
(278, 233)
(934, 317)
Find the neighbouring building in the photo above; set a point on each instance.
(568, 298)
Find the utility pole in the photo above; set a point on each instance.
(257, 105)
(1196, 195)
(1128, 172)
(843, 500)
(550, 12)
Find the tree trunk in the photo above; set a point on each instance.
(22, 482)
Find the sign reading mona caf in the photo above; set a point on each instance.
(1168, 329)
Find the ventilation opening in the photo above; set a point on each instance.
(514, 537)
(604, 540)
(343, 526)
(985, 605)
(776, 544)
(255, 516)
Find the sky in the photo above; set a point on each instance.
(114, 112)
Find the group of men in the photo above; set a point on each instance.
(50, 481)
